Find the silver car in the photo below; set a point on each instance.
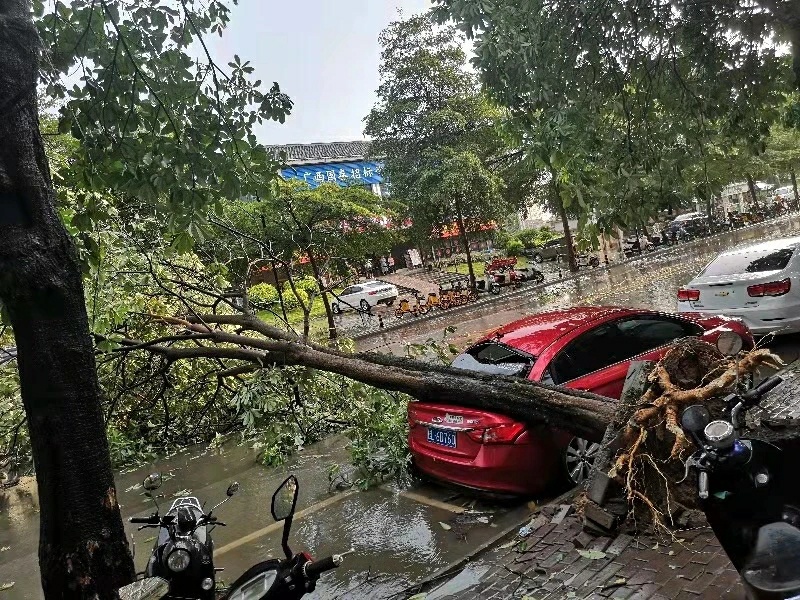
(363, 296)
(758, 283)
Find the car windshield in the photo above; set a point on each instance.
(494, 359)
(749, 261)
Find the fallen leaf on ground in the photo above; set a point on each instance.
(445, 526)
(619, 581)
(508, 544)
(419, 596)
(6, 586)
(4, 548)
(592, 554)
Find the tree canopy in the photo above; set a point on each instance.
(618, 102)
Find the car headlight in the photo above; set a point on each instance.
(178, 560)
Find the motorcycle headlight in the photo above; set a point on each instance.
(178, 560)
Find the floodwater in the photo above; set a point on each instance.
(649, 281)
(396, 533)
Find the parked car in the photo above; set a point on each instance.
(365, 295)
(758, 283)
(548, 251)
(585, 348)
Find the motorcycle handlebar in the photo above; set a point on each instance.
(312, 570)
(144, 520)
(762, 388)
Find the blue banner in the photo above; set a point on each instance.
(342, 174)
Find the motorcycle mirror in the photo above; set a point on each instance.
(694, 420)
(284, 499)
(729, 343)
(152, 482)
(232, 489)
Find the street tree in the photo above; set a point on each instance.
(456, 187)
(431, 110)
(640, 79)
(328, 227)
(154, 122)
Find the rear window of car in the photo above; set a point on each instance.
(494, 359)
(749, 261)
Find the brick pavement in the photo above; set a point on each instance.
(557, 560)
(549, 565)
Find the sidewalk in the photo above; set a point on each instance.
(405, 280)
(556, 560)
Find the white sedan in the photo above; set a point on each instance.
(363, 296)
(758, 283)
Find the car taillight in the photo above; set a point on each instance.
(372, 293)
(688, 295)
(499, 434)
(774, 288)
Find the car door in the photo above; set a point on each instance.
(598, 360)
(350, 297)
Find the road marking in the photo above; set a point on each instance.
(431, 501)
(278, 526)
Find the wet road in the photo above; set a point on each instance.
(396, 533)
(647, 282)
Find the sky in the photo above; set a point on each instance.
(324, 54)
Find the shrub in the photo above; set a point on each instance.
(514, 247)
(290, 298)
(263, 294)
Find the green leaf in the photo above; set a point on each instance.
(592, 554)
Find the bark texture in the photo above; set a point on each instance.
(83, 552)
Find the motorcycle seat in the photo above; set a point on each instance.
(774, 564)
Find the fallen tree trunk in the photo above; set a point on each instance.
(576, 411)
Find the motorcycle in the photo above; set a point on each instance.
(292, 577)
(750, 496)
(183, 553)
(634, 246)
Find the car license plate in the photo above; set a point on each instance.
(442, 437)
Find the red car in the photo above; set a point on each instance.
(586, 348)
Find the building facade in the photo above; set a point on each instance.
(342, 163)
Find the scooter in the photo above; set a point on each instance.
(183, 553)
(634, 246)
(750, 494)
(290, 578)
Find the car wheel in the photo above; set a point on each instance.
(364, 305)
(537, 258)
(336, 309)
(579, 459)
